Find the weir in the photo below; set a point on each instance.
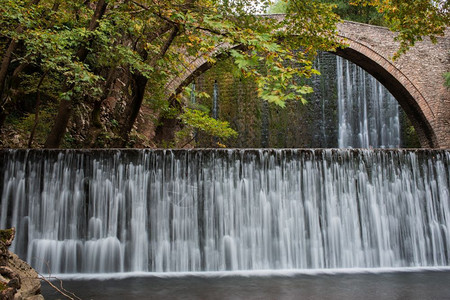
(103, 211)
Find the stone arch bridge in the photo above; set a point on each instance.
(415, 79)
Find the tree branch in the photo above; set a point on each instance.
(36, 114)
(8, 55)
(93, 24)
(65, 107)
(159, 15)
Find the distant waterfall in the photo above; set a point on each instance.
(209, 210)
(368, 113)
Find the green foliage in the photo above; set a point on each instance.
(343, 8)
(308, 27)
(358, 13)
(69, 55)
(6, 234)
(137, 138)
(412, 19)
(279, 7)
(447, 79)
(201, 121)
(26, 123)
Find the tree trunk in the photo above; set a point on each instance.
(8, 56)
(131, 114)
(36, 114)
(95, 127)
(5, 64)
(165, 132)
(59, 128)
(14, 82)
(2, 117)
(140, 83)
(132, 111)
(65, 107)
(3, 73)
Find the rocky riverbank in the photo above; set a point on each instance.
(18, 281)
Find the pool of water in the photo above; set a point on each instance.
(393, 284)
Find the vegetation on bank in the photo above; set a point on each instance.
(96, 73)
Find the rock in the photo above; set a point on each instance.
(6, 238)
(7, 293)
(30, 282)
(14, 283)
(18, 281)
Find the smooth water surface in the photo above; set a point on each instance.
(418, 285)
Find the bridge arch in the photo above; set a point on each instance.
(420, 101)
(401, 87)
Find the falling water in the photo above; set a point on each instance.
(368, 113)
(215, 108)
(210, 210)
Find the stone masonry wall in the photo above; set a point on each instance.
(420, 71)
(415, 79)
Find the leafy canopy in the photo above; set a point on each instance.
(413, 20)
(70, 51)
(129, 28)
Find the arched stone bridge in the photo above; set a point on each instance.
(415, 79)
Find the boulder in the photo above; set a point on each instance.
(18, 281)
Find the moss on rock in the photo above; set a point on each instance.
(6, 235)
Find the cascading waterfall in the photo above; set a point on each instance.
(368, 113)
(209, 210)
